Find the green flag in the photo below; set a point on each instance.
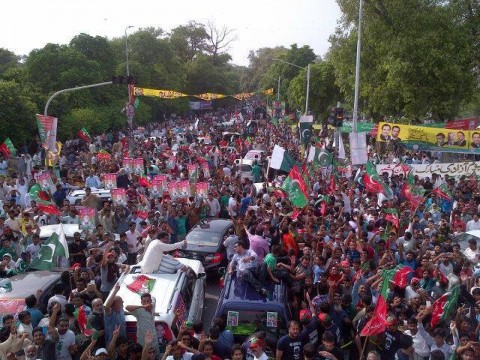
(320, 157)
(294, 185)
(305, 128)
(281, 159)
(56, 245)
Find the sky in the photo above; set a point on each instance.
(31, 24)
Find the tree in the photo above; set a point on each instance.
(189, 40)
(8, 60)
(220, 39)
(257, 75)
(97, 49)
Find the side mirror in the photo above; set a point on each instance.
(222, 271)
(201, 276)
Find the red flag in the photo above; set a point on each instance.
(444, 306)
(82, 320)
(142, 284)
(144, 181)
(48, 208)
(401, 276)
(4, 150)
(376, 324)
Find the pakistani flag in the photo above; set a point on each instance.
(320, 157)
(281, 159)
(7, 148)
(305, 128)
(373, 183)
(56, 245)
(294, 185)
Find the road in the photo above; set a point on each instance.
(212, 292)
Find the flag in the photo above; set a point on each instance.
(281, 159)
(444, 305)
(392, 216)
(376, 325)
(56, 245)
(373, 183)
(142, 284)
(7, 148)
(400, 279)
(341, 147)
(5, 286)
(82, 320)
(47, 128)
(42, 199)
(320, 157)
(305, 125)
(443, 192)
(84, 135)
(295, 187)
(144, 181)
(413, 193)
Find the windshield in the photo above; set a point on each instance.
(463, 239)
(246, 322)
(203, 238)
(246, 168)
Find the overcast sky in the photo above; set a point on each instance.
(30, 24)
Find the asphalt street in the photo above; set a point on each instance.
(212, 292)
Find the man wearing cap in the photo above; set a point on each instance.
(256, 347)
(392, 342)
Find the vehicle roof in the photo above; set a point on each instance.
(47, 230)
(28, 283)
(213, 225)
(243, 295)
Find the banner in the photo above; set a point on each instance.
(110, 181)
(157, 188)
(193, 172)
(45, 181)
(358, 148)
(206, 170)
(138, 166)
(184, 190)
(128, 165)
(173, 190)
(87, 217)
(422, 170)
(47, 128)
(119, 196)
(162, 94)
(201, 189)
(392, 136)
(200, 105)
(362, 127)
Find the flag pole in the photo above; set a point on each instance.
(362, 355)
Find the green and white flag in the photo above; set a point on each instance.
(56, 245)
(305, 128)
(281, 159)
(320, 157)
(5, 286)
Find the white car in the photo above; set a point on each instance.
(463, 238)
(76, 196)
(69, 229)
(183, 290)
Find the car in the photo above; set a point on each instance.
(15, 289)
(463, 238)
(205, 243)
(183, 290)
(247, 312)
(69, 229)
(76, 196)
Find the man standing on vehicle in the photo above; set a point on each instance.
(154, 253)
(289, 347)
(145, 319)
(242, 260)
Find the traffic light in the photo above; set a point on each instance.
(338, 117)
(123, 80)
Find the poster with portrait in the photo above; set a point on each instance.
(192, 172)
(128, 165)
(87, 219)
(206, 170)
(272, 319)
(201, 189)
(391, 137)
(157, 188)
(110, 181)
(138, 166)
(171, 162)
(184, 189)
(232, 318)
(172, 188)
(119, 196)
(46, 183)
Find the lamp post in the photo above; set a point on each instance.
(357, 67)
(126, 47)
(308, 80)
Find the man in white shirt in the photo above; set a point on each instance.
(134, 243)
(214, 206)
(155, 250)
(472, 253)
(473, 224)
(64, 337)
(420, 344)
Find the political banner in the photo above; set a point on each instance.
(172, 188)
(193, 172)
(138, 166)
(201, 189)
(184, 189)
(44, 179)
(393, 136)
(128, 165)
(119, 196)
(47, 128)
(358, 148)
(423, 170)
(87, 217)
(157, 188)
(110, 181)
(206, 170)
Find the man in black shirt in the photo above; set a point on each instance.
(393, 339)
(45, 347)
(328, 350)
(289, 347)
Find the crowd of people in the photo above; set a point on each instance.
(331, 254)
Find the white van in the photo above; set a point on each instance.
(183, 290)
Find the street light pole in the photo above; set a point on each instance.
(357, 67)
(126, 47)
(278, 89)
(308, 79)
